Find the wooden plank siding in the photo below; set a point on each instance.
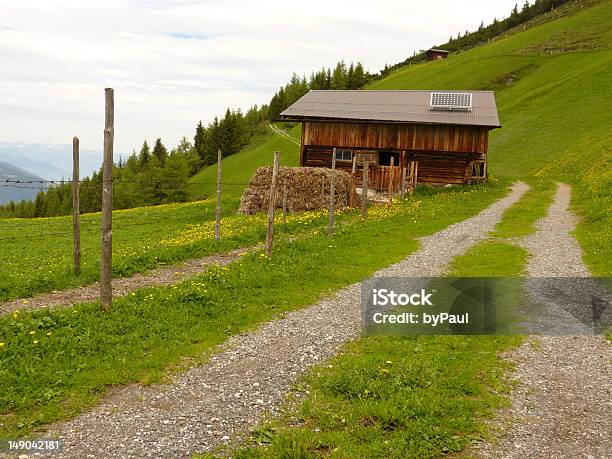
(464, 139)
(445, 153)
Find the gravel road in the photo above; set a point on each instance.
(250, 375)
(562, 406)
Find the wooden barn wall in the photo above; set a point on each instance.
(433, 167)
(458, 139)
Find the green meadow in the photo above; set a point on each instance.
(382, 396)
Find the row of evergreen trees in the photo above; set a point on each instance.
(341, 77)
(151, 176)
(148, 177)
(516, 17)
(484, 33)
(157, 176)
(228, 134)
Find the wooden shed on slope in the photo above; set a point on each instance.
(434, 54)
(445, 132)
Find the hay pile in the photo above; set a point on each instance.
(307, 189)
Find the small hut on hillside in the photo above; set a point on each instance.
(436, 54)
(445, 133)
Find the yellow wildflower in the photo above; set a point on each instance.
(32, 332)
(2, 344)
(48, 333)
(35, 341)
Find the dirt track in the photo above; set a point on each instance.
(167, 275)
(251, 374)
(562, 406)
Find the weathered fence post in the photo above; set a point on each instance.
(391, 178)
(106, 292)
(285, 203)
(414, 170)
(76, 205)
(403, 177)
(272, 204)
(218, 210)
(353, 192)
(323, 193)
(364, 191)
(332, 194)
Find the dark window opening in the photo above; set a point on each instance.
(384, 158)
(344, 155)
(478, 169)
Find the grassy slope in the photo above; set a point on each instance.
(238, 169)
(545, 79)
(86, 350)
(556, 122)
(372, 400)
(409, 396)
(40, 258)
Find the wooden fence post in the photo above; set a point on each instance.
(322, 193)
(410, 178)
(76, 205)
(218, 210)
(403, 178)
(106, 292)
(391, 178)
(272, 204)
(353, 192)
(332, 194)
(364, 191)
(285, 204)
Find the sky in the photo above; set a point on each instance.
(172, 63)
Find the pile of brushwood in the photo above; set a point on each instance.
(306, 188)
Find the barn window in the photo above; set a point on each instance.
(344, 155)
(384, 158)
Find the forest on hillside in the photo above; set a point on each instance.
(155, 175)
(483, 34)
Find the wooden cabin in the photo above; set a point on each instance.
(443, 134)
(436, 54)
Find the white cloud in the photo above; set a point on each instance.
(175, 62)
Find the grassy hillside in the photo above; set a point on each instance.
(555, 125)
(154, 329)
(553, 90)
(238, 169)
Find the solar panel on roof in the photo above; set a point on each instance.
(451, 101)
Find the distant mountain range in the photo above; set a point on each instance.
(36, 161)
(12, 193)
(51, 162)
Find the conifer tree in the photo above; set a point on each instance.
(198, 140)
(145, 154)
(359, 76)
(160, 152)
(340, 76)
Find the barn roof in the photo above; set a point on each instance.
(390, 107)
(436, 50)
